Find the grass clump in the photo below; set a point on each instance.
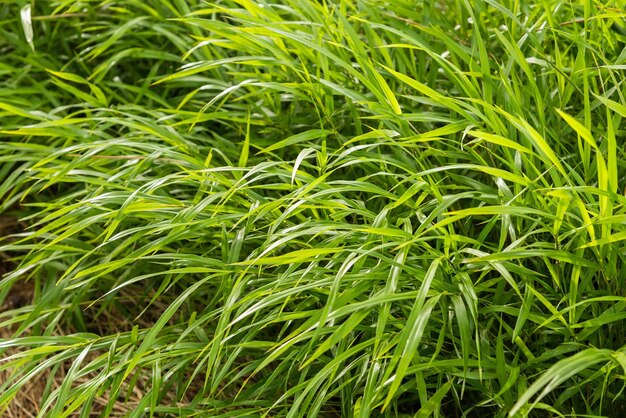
(311, 208)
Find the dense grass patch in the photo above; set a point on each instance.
(313, 208)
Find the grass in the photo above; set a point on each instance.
(311, 208)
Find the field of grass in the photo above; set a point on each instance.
(301, 208)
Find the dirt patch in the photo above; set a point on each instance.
(101, 319)
(27, 401)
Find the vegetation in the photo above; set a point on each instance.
(396, 208)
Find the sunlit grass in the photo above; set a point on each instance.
(309, 208)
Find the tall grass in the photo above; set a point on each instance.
(313, 208)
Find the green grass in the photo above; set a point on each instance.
(314, 208)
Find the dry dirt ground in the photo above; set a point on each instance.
(26, 402)
(110, 321)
